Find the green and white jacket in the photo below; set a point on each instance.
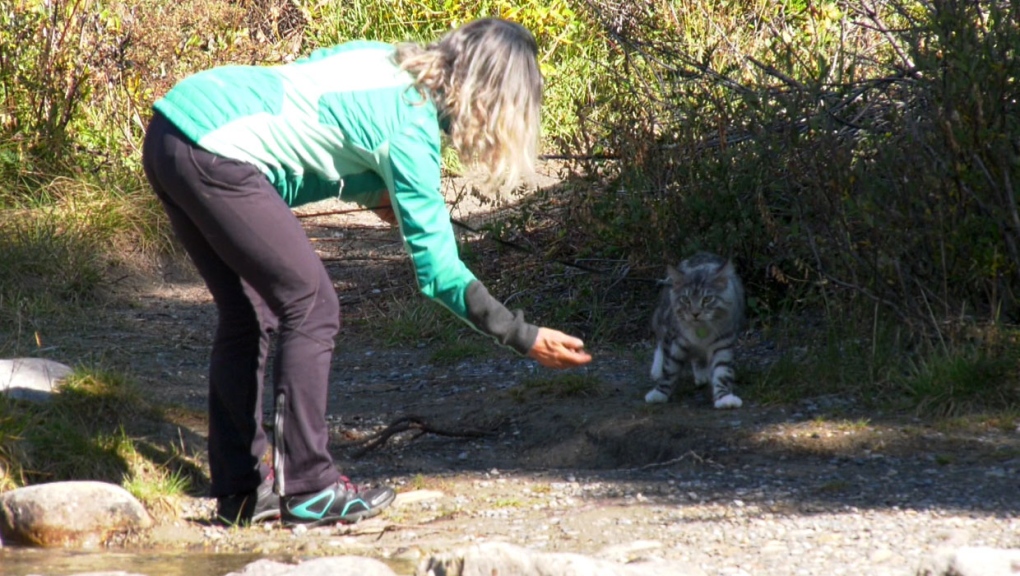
(346, 122)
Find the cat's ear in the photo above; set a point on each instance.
(723, 275)
(675, 276)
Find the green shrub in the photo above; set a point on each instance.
(77, 80)
(568, 48)
(847, 153)
(46, 51)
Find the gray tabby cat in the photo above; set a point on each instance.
(699, 315)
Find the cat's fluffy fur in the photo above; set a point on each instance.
(696, 323)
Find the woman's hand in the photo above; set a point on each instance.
(554, 349)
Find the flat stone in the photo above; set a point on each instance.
(333, 566)
(33, 379)
(972, 561)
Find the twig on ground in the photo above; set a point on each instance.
(689, 454)
(408, 423)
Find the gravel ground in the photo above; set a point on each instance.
(809, 489)
(728, 519)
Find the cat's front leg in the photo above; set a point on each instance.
(665, 372)
(702, 372)
(723, 377)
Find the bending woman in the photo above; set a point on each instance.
(231, 150)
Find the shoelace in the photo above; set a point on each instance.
(348, 485)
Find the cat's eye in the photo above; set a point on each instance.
(707, 300)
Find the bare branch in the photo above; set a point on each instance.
(417, 424)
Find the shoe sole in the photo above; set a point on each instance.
(348, 519)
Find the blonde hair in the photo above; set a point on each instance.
(485, 82)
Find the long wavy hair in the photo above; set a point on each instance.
(485, 81)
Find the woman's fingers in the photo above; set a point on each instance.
(554, 349)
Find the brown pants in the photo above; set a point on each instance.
(264, 277)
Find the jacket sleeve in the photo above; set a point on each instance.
(413, 180)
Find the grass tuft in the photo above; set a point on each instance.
(415, 322)
(55, 253)
(13, 423)
(455, 352)
(559, 386)
(947, 385)
(157, 485)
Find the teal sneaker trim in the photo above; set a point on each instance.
(347, 508)
(304, 510)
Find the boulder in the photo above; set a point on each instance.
(81, 514)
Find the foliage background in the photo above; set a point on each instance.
(858, 160)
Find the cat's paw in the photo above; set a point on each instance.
(727, 401)
(656, 397)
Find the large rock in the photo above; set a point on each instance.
(69, 514)
(972, 561)
(34, 379)
(336, 566)
(510, 560)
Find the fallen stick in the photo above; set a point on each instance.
(407, 423)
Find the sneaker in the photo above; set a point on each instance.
(341, 502)
(259, 505)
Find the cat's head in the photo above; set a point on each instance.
(702, 290)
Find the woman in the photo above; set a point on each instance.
(230, 150)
